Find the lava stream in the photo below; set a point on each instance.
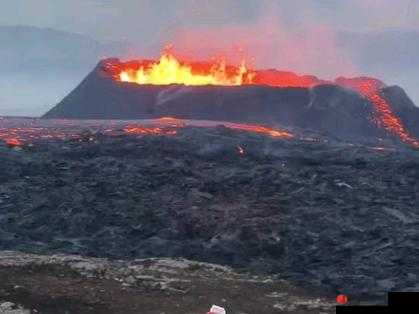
(260, 129)
(385, 118)
(143, 130)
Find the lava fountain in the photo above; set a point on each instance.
(169, 70)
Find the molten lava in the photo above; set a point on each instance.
(144, 130)
(169, 70)
(13, 142)
(260, 129)
(385, 117)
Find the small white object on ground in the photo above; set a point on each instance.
(217, 310)
(344, 184)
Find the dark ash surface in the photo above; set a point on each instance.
(342, 217)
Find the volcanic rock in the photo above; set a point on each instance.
(328, 108)
(342, 217)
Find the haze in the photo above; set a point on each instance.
(327, 38)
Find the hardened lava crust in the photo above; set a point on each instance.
(334, 215)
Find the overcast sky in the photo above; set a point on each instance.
(273, 32)
(152, 19)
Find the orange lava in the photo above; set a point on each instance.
(385, 117)
(144, 130)
(169, 70)
(169, 121)
(11, 137)
(18, 136)
(13, 142)
(261, 129)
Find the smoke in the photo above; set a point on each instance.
(266, 41)
(328, 40)
(268, 46)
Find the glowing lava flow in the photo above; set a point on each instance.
(13, 142)
(18, 136)
(385, 117)
(143, 130)
(12, 136)
(167, 126)
(260, 129)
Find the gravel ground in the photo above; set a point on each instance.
(72, 284)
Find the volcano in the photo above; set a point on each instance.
(354, 109)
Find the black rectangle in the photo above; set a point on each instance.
(404, 299)
(363, 310)
(376, 310)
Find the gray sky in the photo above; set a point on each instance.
(144, 19)
(273, 33)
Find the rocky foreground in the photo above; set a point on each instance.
(71, 284)
(338, 217)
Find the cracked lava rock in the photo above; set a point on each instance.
(343, 218)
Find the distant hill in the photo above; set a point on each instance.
(31, 49)
(40, 66)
